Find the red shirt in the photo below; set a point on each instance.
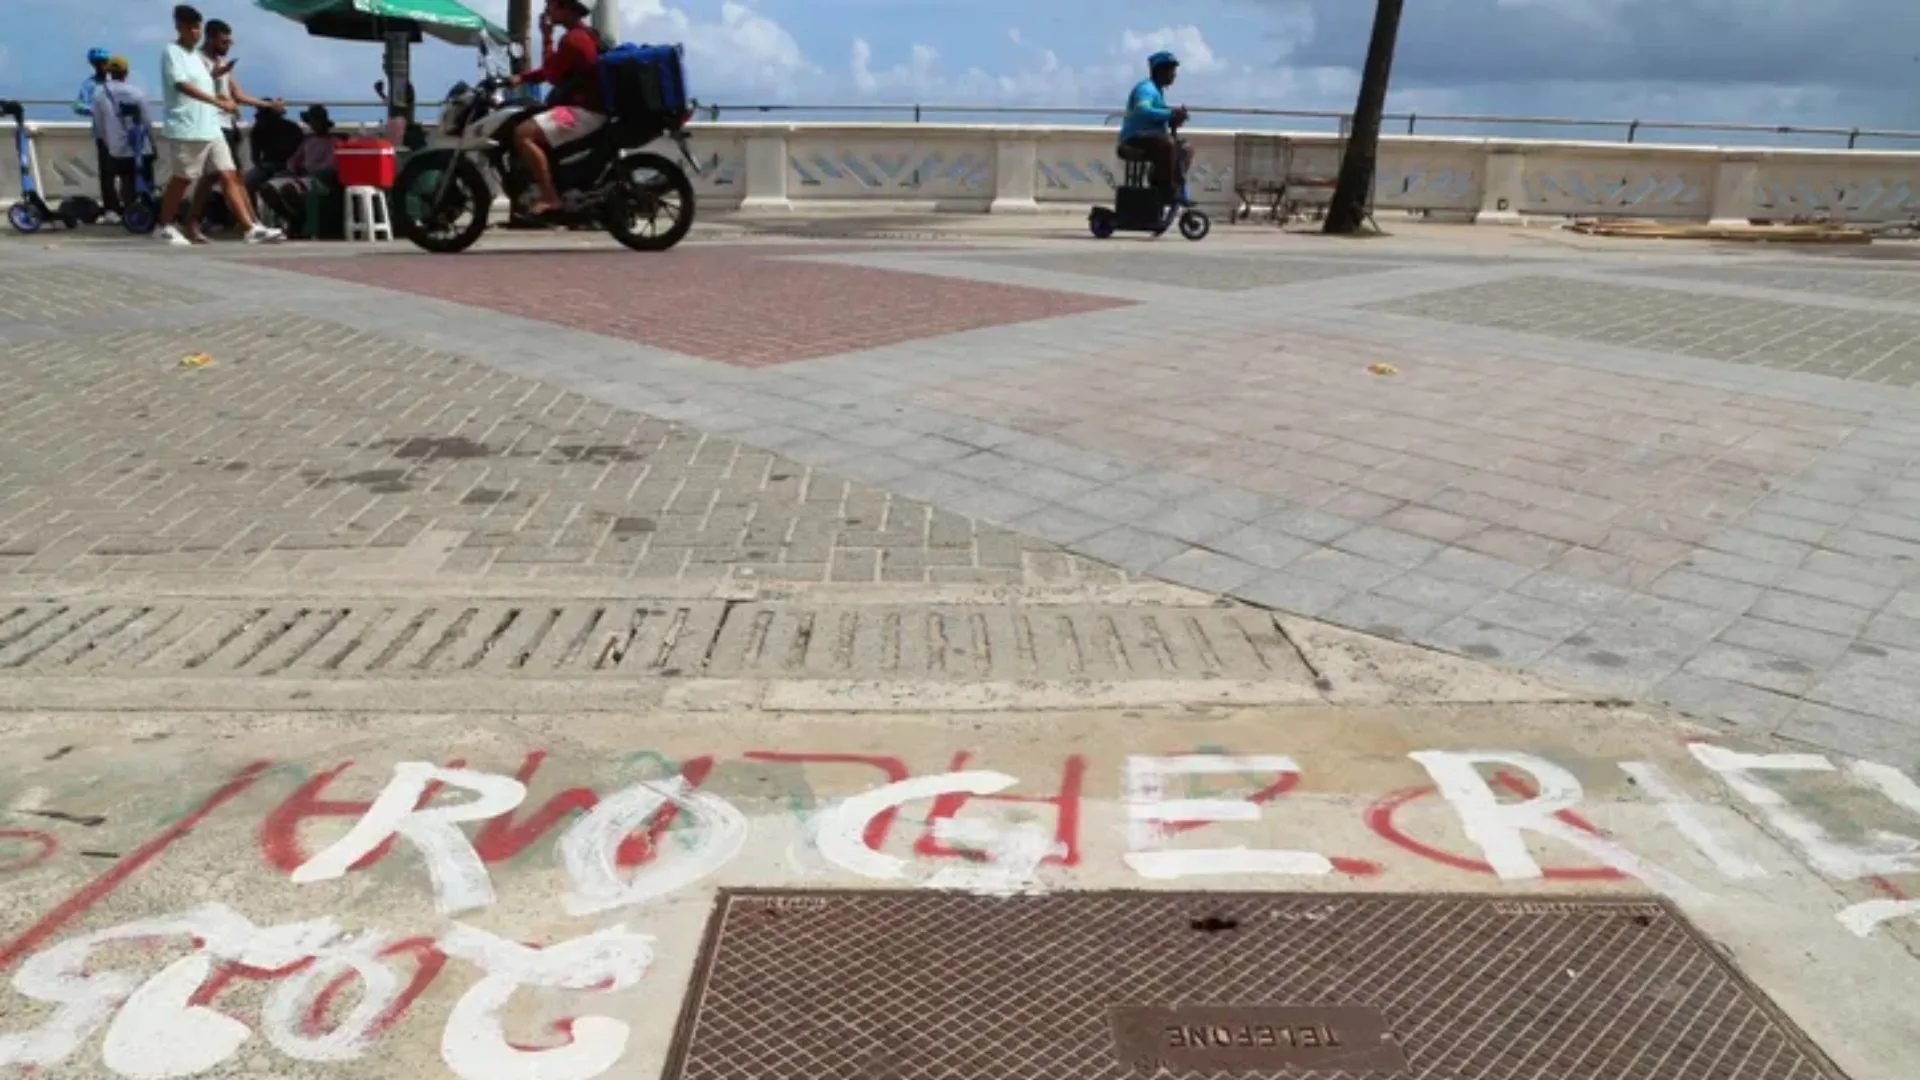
(570, 69)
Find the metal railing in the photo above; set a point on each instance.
(1629, 130)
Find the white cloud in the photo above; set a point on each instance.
(743, 52)
(1186, 42)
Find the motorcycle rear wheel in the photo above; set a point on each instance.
(649, 187)
(430, 227)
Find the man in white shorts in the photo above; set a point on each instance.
(195, 146)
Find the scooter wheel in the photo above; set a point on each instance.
(1195, 225)
(140, 216)
(1101, 222)
(24, 218)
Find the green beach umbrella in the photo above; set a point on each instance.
(375, 20)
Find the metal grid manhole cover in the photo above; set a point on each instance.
(811, 985)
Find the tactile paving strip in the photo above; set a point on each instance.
(646, 638)
(813, 985)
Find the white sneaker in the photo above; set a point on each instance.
(171, 236)
(109, 218)
(260, 234)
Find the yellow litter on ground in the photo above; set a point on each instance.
(1383, 369)
(196, 360)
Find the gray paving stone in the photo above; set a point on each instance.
(1796, 610)
(1571, 592)
(1130, 549)
(1299, 594)
(1538, 617)
(1842, 590)
(1760, 547)
(1474, 568)
(1863, 692)
(1746, 667)
(1388, 546)
(1852, 734)
(1210, 571)
(1753, 708)
(1787, 527)
(1060, 524)
(1263, 546)
(1115, 504)
(1898, 631)
(1815, 647)
(1486, 641)
(1385, 616)
(1308, 524)
(1190, 523)
(1351, 573)
(1706, 591)
(1449, 598)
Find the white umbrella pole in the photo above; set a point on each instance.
(606, 18)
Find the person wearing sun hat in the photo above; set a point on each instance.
(97, 57)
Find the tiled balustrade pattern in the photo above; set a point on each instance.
(1014, 169)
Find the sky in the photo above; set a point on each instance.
(1844, 63)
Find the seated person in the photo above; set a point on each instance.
(570, 72)
(273, 140)
(286, 195)
(1147, 129)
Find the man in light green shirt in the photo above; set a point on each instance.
(195, 145)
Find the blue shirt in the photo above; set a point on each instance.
(1147, 111)
(83, 102)
(187, 119)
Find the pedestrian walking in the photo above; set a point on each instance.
(216, 51)
(195, 146)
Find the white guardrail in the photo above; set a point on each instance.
(1029, 169)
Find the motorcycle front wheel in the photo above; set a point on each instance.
(441, 222)
(651, 209)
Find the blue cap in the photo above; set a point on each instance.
(98, 55)
(1161, 59)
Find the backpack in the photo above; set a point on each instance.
(644, 82)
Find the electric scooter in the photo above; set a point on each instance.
(1140, 207)
(31, 211)
(141, 212)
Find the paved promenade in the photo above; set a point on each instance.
(1665, 474)
(1037, 592)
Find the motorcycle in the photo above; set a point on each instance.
(643, 199)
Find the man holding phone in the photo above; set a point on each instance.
(214, 50)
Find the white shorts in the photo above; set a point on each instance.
(190, 159)
(566, 124)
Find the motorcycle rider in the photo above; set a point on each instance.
(1147, 127)
(570, 71)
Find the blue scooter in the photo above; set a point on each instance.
(31, 211)
(141, 212)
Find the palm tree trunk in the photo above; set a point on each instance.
(1357, 166)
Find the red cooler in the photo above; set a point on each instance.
(364, 162)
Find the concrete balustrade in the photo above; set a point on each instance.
(1009, 169)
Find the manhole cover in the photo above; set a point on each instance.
(800, 985)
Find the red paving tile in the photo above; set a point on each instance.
(738, 306)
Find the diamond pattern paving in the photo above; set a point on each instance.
(734, 305)
(1899, 285)
(1876, 347)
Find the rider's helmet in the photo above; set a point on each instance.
(1162, 59)
(98, 55)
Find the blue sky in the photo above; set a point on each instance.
(1838, 62)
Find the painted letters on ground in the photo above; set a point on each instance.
(331, 993)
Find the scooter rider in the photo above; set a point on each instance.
(1148, 125)
(570, 71)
